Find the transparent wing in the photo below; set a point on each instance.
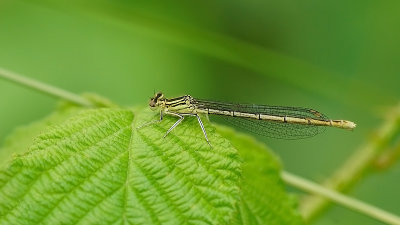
(275, 129)
(269, 128)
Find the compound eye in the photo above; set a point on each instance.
(152, 103)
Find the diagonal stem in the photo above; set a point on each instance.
(356, 165)
(45, 88)
(339, 198)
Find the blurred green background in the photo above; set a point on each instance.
(339, 57)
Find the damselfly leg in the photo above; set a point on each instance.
(152, 122)
(176, 123)
(181, 117)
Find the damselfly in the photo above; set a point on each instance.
(272, 121)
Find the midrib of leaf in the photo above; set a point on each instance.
(126, 193)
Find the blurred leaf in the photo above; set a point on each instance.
(263, 199)
(276, 65)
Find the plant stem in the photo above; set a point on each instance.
(45, 88)
(349, 202)
(356, 165)
(388, 158)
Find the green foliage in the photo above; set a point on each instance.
(20, 140)
(263, 199)
(97, 168)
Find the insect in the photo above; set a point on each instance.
(272, 121)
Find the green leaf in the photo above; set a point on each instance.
(263, 198)
(97, 168)
(22, 137)
(52, 179)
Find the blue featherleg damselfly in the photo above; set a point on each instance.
(273, 121)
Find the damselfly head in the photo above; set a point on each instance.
(156, 100)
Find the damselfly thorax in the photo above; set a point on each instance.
(273, 121)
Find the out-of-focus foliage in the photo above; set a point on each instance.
(339, 57)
